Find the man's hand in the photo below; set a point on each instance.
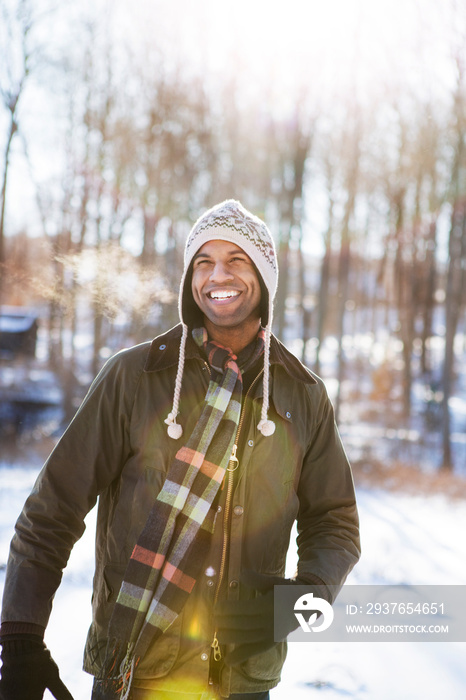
(249, 624)
(28, 670)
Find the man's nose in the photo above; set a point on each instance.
(220, 272)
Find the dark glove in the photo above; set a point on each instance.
(249, 624)
(28, 670)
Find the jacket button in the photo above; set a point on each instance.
(204, 656)
(250, 443)
(288, 414)
(162, 347)
(238, 510)
(233, 584)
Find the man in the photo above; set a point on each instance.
(203, 448)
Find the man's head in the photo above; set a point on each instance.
(229, 222)
(229, 281)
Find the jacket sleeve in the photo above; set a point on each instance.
(328, 524)
(85, 461)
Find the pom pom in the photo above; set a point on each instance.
(175, 431)
(267, 427)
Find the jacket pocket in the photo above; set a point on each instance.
(162, 654)
(266, 666)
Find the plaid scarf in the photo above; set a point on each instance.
(172, 547)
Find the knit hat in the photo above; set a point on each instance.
(229, 221)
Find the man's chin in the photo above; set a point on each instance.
(230, 323)
(224, 323)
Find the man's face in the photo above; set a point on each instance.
(225, 285)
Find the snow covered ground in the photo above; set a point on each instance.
(405, 538)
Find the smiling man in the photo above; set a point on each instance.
(203, 448)
(226, 288)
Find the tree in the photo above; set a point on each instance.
(15, 58)
(351, 155)
(455, 281)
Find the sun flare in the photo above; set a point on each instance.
(329, 48)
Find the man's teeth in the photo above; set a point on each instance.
(223, 295)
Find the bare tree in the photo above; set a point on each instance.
(328, 166)
(351, 184)
(455, 281)
(15, 58)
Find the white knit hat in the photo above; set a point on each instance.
(228, 221)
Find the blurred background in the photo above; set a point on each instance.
(342, 123)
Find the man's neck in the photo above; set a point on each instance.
(234, 338)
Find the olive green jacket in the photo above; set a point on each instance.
(117, 450)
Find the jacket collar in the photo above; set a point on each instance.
(164, 351)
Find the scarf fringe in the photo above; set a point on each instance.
(126, 674)
(118, 668)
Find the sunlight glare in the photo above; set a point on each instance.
(333, 48)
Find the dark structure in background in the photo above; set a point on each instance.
(18, 331)
(30, 392)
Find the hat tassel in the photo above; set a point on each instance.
(266, 426)
(175, 430)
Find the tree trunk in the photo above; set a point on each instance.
(322, 302)
(453, 299)
(302, 290)
(6, 162)
(343, 283)
(344, 263)
(282, 292)
(429, 301)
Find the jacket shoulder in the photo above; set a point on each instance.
(311, 387)
(279, 354)
(134, 356)
(144, 354)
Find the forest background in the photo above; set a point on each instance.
(342, 124)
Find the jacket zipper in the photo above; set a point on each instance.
(233, 465)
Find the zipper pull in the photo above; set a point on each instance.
(233, 463)
(216, 648)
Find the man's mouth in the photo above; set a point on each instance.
(222, 294)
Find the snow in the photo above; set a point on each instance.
(405, 539)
